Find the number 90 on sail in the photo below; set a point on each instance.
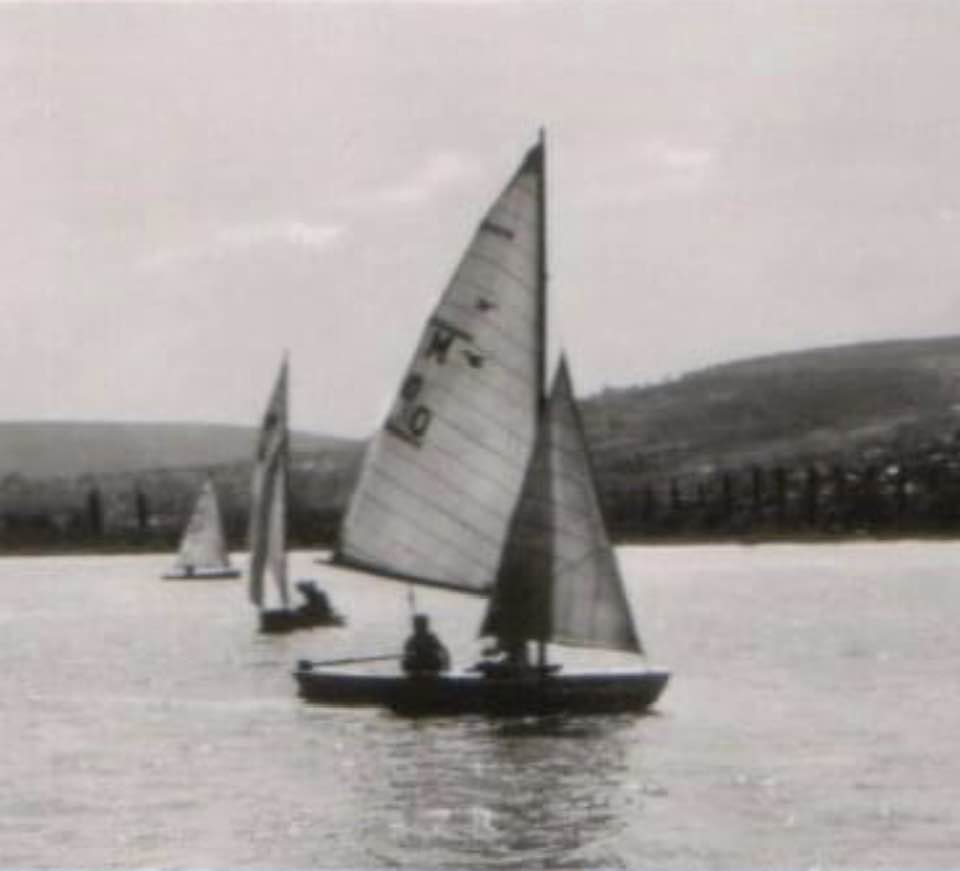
(442, 343)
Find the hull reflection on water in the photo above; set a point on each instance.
(531, 793)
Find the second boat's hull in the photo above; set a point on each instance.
(281, 620)
(471, 692)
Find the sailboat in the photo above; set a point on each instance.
(480, 481)
(203, 552)
(268, 528)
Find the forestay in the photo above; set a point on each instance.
(268, 512)
(559, 579)
(440, 480)
(202, 546)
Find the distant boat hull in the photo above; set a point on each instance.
(277, 621)
(203, 575)
(473, 693)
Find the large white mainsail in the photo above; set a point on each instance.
(203, 550)
(268, 511)
(558, 579)
(440, 480)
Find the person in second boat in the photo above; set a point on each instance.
(423, 652)
(315, 602)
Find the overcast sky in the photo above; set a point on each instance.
(187, 190)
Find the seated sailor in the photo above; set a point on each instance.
(506, 658)
(423, 652)
(315, 601)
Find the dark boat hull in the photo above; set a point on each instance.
(471, 692)
(281, 620)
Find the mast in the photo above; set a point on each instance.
(282, 580)
(542, 280)
(542, 326)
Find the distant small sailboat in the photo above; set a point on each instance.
(203, 551)
(481, 482)
(268, 528)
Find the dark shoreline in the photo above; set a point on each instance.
(655, 541)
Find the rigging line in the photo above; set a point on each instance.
(516, 321)
(506, 302)
(475, 258)
(514, 389)
(569, 565)
(429, 572)
(442, 509)
(495, 265)
(511, 459)
(521, 212)
(374, 560)
(412, 600)
(405, 490)
(521, 185)
(520, 227)
(570, 533)
(482, 415)
(497, 352)
(615, 587)
(374, 567)
(505, 489)
(463, 440)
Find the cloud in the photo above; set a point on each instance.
(653, 171)
(441, 171)
(682, 159)
(296, 233)
(244, 237)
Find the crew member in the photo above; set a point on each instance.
(316, 603)
(423, 652)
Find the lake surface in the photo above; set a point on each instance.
(813, 720)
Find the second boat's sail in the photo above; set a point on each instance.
(203, 550)
(440, 480)
(268, 511)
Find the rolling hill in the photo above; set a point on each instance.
(832, 426)
(825, 405)
(42, 449)
(820, 403)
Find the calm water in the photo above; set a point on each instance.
(812, 722)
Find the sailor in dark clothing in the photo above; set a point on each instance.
(424, 653)
(506, 658)
(316, 603)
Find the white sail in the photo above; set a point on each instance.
(202, 548)
(558, 579)
(268, 511)
(440, 480)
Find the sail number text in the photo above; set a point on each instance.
(411, 416)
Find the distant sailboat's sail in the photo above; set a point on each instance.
(202, 548)
(440, 480)
(558, 579)
(268, 514)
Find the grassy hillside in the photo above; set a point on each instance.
(849, 440)
(827, 404)
(41, 449)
